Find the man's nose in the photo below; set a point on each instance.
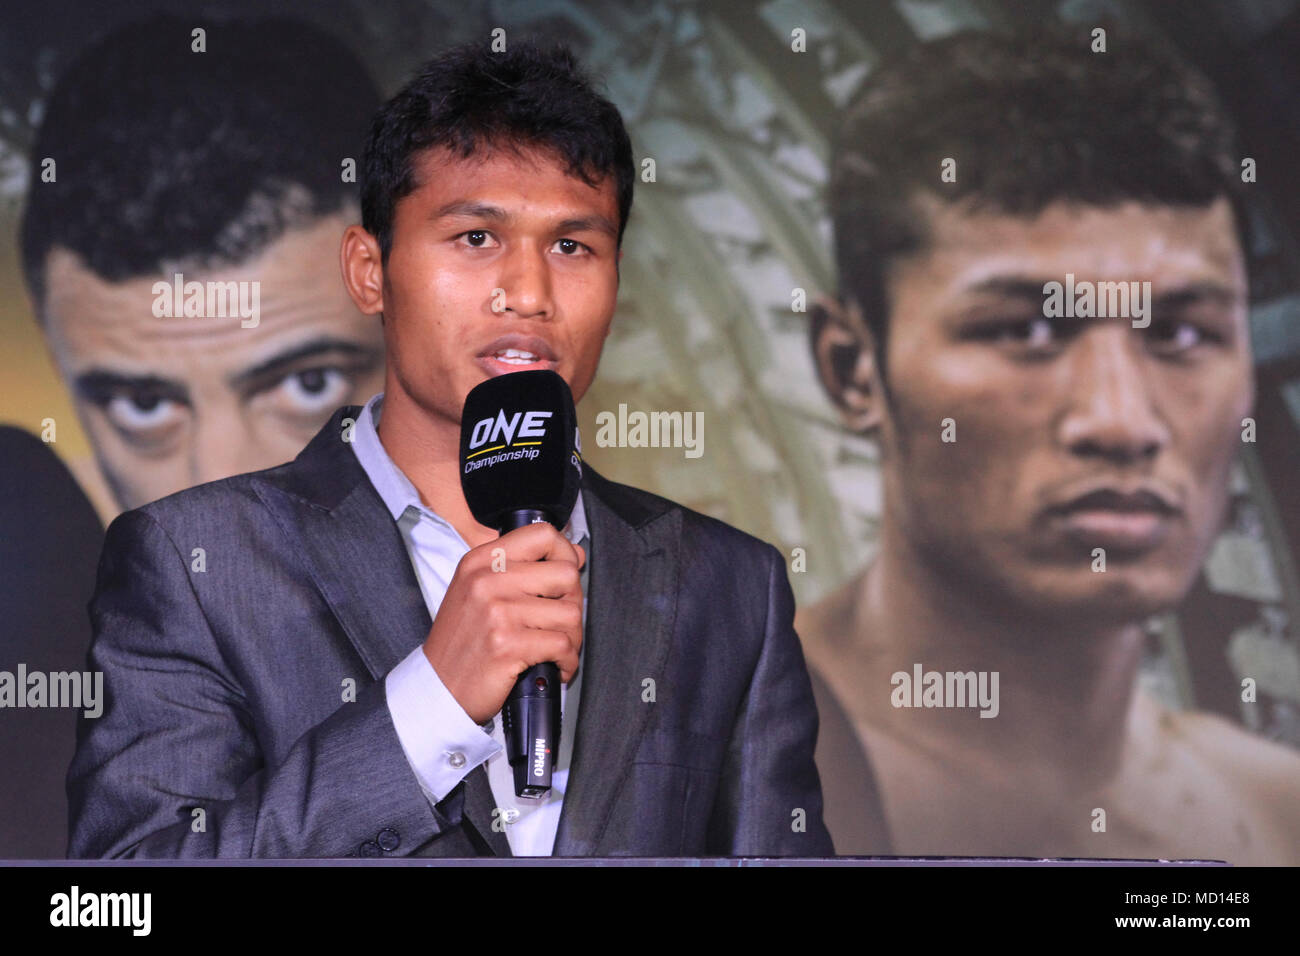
(526, 281)
(1111, 411)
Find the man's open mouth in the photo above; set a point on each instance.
(515, 357)
(517, 353)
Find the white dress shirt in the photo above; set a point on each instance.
(442, 742)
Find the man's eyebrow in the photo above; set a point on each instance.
(471, 208)
(593, 223)
(95, 383)
(1216, 293)
(318, 346)
(1195, 292)
(1010, 288)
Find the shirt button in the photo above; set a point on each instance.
(388, 840)
(457, 760)
(370, 848)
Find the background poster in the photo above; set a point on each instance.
(733, 223)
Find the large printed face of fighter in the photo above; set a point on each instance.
(500, 263)
(172, 402)
(1070, 434)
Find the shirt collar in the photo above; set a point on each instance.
(395, 488)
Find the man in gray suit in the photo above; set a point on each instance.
(310, 661)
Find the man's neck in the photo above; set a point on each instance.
(427, 450)
(1065, 687)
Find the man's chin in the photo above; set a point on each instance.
(1108, 598)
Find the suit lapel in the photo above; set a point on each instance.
(359, 563)
(631, 609)
(351, 547)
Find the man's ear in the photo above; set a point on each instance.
(843, 349)
(363, 269)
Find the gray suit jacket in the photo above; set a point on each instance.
(226, 732)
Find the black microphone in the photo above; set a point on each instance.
(521, 463)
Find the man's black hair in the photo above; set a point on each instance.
(166, 155)
(1030, 120)
(470, 99)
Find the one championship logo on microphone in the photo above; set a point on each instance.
(512, 438)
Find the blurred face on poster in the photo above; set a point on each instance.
(1043, 319)
(181, 261)
(1016, 441)
(174, 400)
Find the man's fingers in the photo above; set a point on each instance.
(535, 542)
(536, 646)
(548, 579)
(548, 614)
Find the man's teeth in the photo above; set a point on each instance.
(515, 357)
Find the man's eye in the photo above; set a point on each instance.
(476, 238)
(141, 411)
(313, 390)
(1172, 337)
(570, 247)
(1034, 333)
